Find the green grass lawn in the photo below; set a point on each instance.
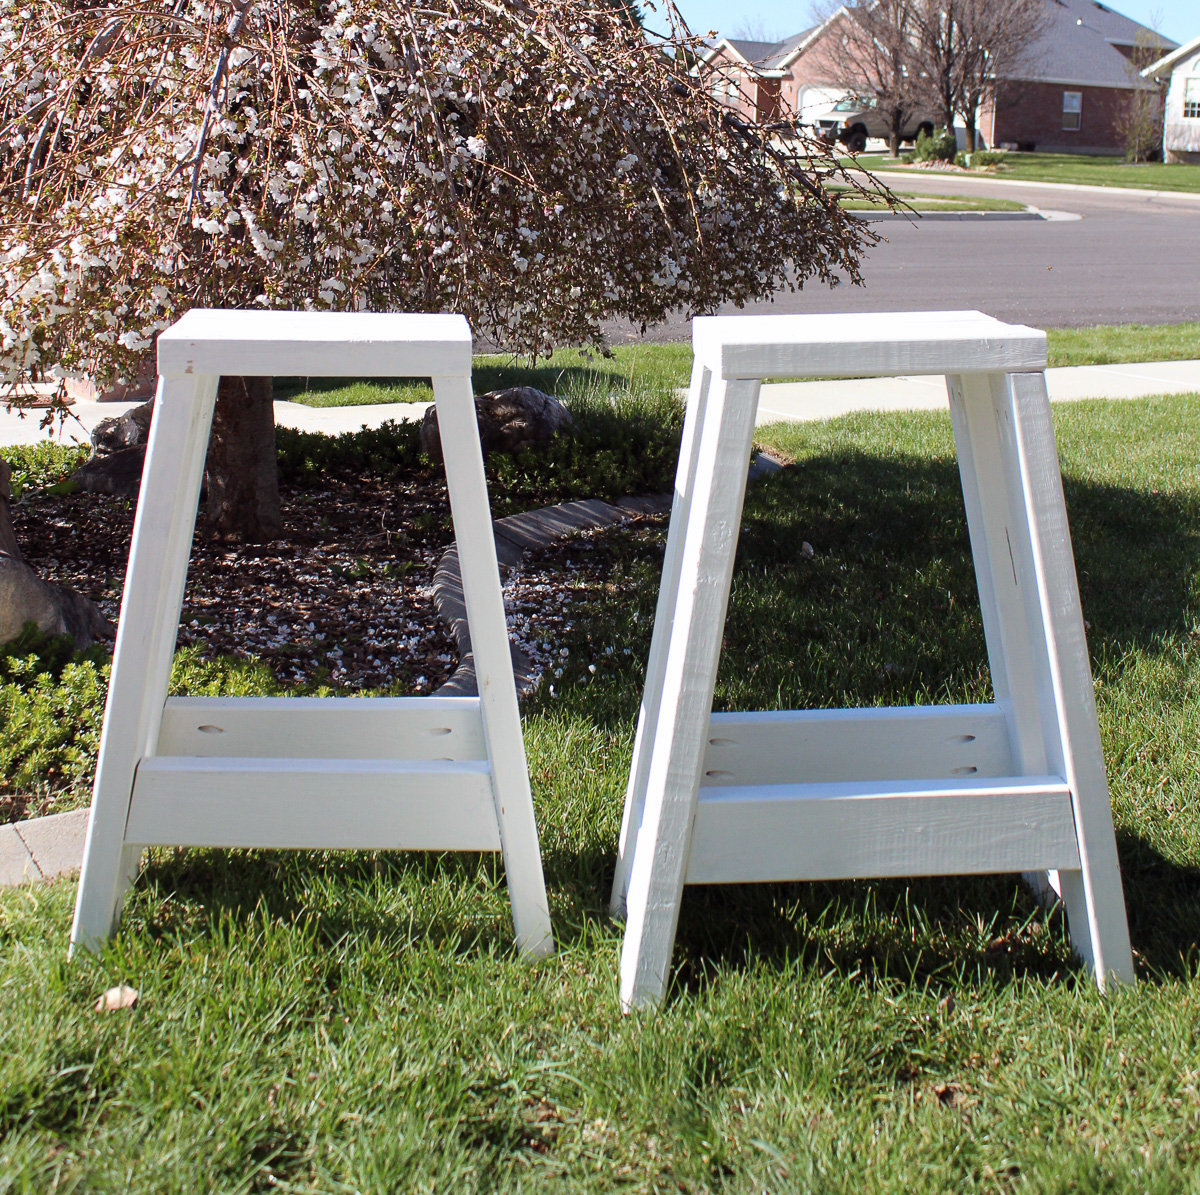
(936, 203)
(330, 1023)
(1090, 169)
(567, 371)
(668, 366)
(1125, 342)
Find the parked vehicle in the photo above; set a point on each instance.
(852, 121)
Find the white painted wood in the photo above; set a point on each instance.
(326, 727)
(898, 743)
(476, 543)
(315, 344)
(1094, 895)
(161, 542)
(1016, 655)
(710, 539)
(420, 773)
(849, 830)
(859, 345)
(316, 804)
(835, 794)
(668, 594)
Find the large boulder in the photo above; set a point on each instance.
(125, 431)
(55, 609)
(509, 420)
(118, 473)
(118, 452)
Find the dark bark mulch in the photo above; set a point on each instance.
(345, 596)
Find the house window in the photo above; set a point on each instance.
(1191, 98)
(1072, 109)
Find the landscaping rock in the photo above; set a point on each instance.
(54, 609)
(509, 420)
(118, 473)
(125, 431)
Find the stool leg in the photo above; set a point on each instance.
(668, 591)
(710, 524)
(484, 600)
(990, 508)
(1093, 895)
(141, 669)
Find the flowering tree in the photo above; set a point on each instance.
(539, 166)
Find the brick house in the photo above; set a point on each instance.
(1181, 127)
(1070, 89)
(1064, 95)
(765, 80)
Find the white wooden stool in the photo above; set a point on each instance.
(1016, 786)
(422, 773)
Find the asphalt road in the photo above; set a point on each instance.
(1128, 259)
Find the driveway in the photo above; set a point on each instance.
(1128, 259)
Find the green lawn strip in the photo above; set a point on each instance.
(936, 203)
(1111, 345)
(349, 1022)
(1093, 170)
(638, 369)
(567, 372)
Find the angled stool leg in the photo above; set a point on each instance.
(484, 600)
(1093, 895)
(668, 590)
(991, 508)
(141, 669)
(975, 400)
(711, 522)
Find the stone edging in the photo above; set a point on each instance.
(539, 528)
(42, 848)
(515, 535)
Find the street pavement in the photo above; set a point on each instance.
(1131, 257)
(780, 401)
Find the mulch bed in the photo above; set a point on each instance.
(345, 597)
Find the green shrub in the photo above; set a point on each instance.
(51, 709)
(305, 458)
(37, 466)
(626, 441)
(987, 157)
(942, 146)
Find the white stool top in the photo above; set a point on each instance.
(315, 344)
(868, 345)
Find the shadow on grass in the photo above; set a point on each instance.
(884, 611)
(485, 377)
(936, 931)
(455, 901)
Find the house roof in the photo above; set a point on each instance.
(1080, 43)
(765, 56)
(1166, 64)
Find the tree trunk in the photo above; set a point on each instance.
(969, 117)
(894, 136)
(8, 539)
(241, 470)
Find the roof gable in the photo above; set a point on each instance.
(1168, 63)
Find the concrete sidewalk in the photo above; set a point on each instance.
(802, 402)
(83, 417)
(781, 401)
